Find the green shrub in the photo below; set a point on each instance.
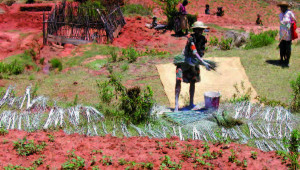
(241, 94)
(38, 162)
(262, 39)
(136, 9)
(294, 148)
(130, 54)
(169, 8)
(106, 160)
(132, 102)
(295, 85)
(136, 105)
(56, 63)
(25, 147)
(214, 41)
(225, 44)
(13, 68)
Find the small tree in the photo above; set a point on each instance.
(169, 8)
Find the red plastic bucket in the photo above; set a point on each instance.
(212, 99)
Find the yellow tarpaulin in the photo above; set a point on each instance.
(229, 72)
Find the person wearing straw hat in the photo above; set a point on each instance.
(187, 64)
(286, 18)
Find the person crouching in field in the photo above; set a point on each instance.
(187, 64)
(258, 20)
(286, 19)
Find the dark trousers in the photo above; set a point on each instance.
(285, 51)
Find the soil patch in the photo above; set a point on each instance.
(137, 149)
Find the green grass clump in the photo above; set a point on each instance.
(262, 39)
(136, 9)
(3, 131)
(56, 63)
(295, 85)
(25, 147)
(225, 44)
(97, 64)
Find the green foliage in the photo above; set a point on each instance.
(167, 163)
(154, 52)
(148, 165)
(225, 44)
(294, 148)
(25, 147)
(34, 90)
(38, 162)
(136, 9)
(113, 56)
(295, 85)
(214, 41)
(56, 63)
(241, 94)
(172, 145)
(74, 161)
(227, 121)
(188, 153)
(191, 18)
(130, 54)
(17, 167)
(253, 155)
(13, 68)
(106, 160)
(169, 8)
(3, 131)
(51, 138)
(42, 60)
(262, 39)
(232, 157)
(269, 102)
(75, 102)
(122, 161)
(134, 103)
(137, 105)
(202, 162)
(125, 67)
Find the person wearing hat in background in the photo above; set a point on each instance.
(286, 18)
(187, 64)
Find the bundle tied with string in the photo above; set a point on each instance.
(180, 59)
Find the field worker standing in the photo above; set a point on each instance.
(183, 17)
(187, 64)
(286, 18)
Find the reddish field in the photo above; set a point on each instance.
(137, 149)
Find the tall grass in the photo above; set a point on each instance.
(136, 9)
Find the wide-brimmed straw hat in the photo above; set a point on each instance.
(283, 3)
(199, 24)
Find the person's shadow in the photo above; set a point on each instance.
(275, 62)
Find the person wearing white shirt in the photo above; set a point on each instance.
(286, 16)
